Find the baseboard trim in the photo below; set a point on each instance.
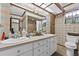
(61, 45)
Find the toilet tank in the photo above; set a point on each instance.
(70, 38)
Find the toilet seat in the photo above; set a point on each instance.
(70, 45)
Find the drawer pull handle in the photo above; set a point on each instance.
(38, 43)
(47, 52)
(39, 50)
(18, 51)
(46, 46)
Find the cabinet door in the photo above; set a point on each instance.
(45, 53)
(16, 50)
(9, 52)
(53, 45)
(24, 48)
(37, 51)
(38, 43)
(46, 46)
(45, 50)
(28, 53)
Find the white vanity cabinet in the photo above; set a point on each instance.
(42, 47)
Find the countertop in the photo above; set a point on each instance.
(32, 39)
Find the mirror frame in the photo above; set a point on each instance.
(11, 22)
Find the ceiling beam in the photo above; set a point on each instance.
(42, 8)
(60, 7)
(48, 5)
(17, 6)
(68, 5)
(27, 10)
(68, 11)
(65, 7)
(41, 4)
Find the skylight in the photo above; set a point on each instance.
(16, 10)
(77, 11)
(45, 5)
(74, 13)
(50, 10)
(55, 9)
(38, 4)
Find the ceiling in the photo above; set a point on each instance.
(16, 11)
(43, 8)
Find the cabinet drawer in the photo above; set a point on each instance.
(38, 51)
(46, 41)
(28, 53)
(38, 43)
(24, 48)
(9, 52)
(46, 47)
(45, 53)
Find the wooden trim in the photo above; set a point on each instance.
(60, 7)
(23, 13)
(17, 6)
(42, 8)
(27, 10)
(48, 5)
(61, 45)
(64, 7)
(67, 12)
(41, 4)
(16, 15)
(15, 18)
(11, 22)
(68, 5)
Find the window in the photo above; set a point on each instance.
(78, 12)
(74, 13)
(69, 14)
(72, 17)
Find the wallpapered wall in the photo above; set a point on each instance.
(61, 29)
(5, 17)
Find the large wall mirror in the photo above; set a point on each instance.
(23, 21)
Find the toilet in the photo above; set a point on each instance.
(70, 44)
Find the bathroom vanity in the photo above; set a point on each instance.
(44, 45)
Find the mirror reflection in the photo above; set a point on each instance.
(24, 23)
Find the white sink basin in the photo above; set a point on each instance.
(21, 38)
(9, 41)
(12, 40)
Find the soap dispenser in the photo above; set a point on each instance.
(3, 36)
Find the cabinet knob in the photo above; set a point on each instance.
(47, 52)
(46, 46)
(38, 43)
(18, 51)
(39, 50)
